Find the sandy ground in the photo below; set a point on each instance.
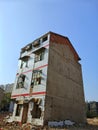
(91, 125)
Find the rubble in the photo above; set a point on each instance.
(5, 125)
(69, 123)
(65, 125)
(60, 123)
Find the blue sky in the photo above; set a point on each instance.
(22, 21)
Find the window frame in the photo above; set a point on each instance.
(20, 81)
(39, 56)
(24, 61)
(45, 38)
(37, 77)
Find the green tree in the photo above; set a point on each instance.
(5, 101)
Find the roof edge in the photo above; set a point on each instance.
(70, 45)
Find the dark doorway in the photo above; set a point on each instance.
(36, 112)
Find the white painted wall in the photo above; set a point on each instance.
(27, 71)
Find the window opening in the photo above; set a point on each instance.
(39, 56)
(26, 48)
(24, 61)
(36, 43)
(29, 47)
(20, 82)
(36, 112)
(18, 109)
(37, 77)
(44, 39)
(24, 64)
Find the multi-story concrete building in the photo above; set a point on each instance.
(48, 83)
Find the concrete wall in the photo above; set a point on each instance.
(65, 95)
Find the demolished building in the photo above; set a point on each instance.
(48, 83)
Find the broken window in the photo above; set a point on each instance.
(26, 48)
(24, 61)
(44, 39)
(18, 109)
(20, 82)
(24, 64)
(29, 47)
(39, 56)
(36, 43)
(37, 77)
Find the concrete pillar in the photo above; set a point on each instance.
(29, 120)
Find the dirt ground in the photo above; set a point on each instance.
(92, 124)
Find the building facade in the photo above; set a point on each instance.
(48, 83)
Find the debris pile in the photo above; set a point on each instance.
(9, 126)
(60, 123)
(4, 125)
(17, 126)
(52, 125)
